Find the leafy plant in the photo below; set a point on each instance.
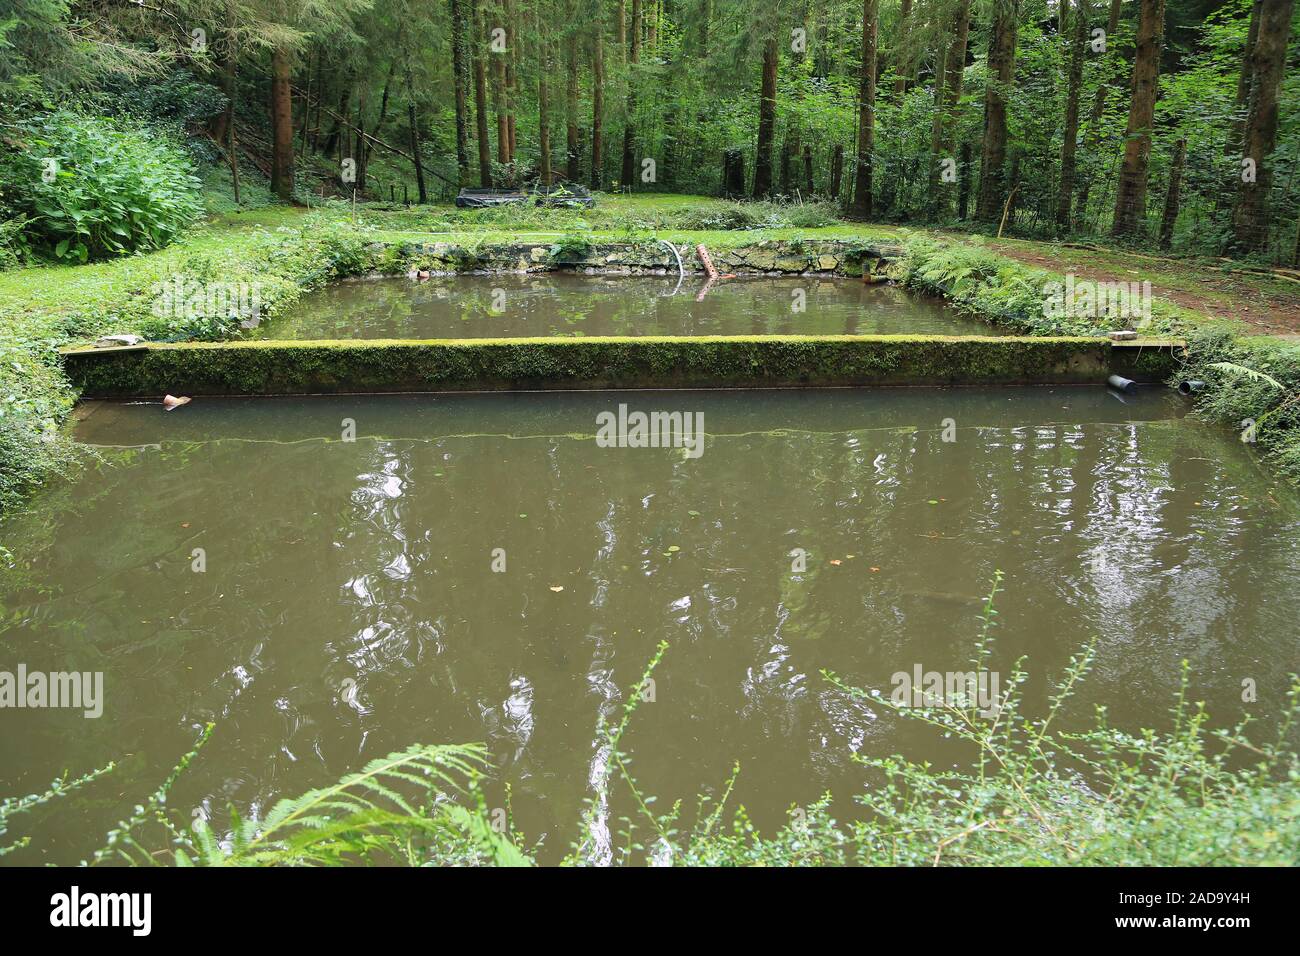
(94, 187)
(366, 818)
(12, 806)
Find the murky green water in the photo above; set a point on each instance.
(565, 304)
(329, 562)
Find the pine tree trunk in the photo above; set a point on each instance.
(1070, 135)
(837, 170)
(359, 152)
(808, 170)
(1238, 130)
(629, 128)
(415, 152)
(766, 121)
(1268, 63)
(1131, 194)
(862, 207)
(1170, 216)
(513, 20)
(458, 81)
(902, 58)
(501, 99)
(1094, 116)
(477, 52)
(598, 103)
(945, 119)
(226, 116)
(1002, 70)
(963, 182)
(281, 126)
(936, 128)
(543, 108)
(572, 137)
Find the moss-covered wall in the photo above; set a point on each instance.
(298, 367)
(761, 257)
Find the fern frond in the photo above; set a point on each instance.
(1246, 370)
(375, 811)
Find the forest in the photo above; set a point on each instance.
(1145, 122)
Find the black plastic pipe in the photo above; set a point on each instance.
(1122, 384)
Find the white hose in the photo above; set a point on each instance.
(681, 269)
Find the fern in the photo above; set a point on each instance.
(393, 810)
(1250, 373)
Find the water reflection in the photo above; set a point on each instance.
(566, 305)
(350, 607)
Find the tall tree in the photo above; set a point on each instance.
(500, 89)
(1244, 81)
(281, 125)
(1093, 136)
(1070, 133)
(480, 50)
(866, 111)
(948, 85)
(1172, 195)
(543, 101)
(458, 76)
(629, 126)
(598, 99)
(1002, 69)
(766, 120)
(1268, 63)
(902, 50)
(1131, 194)
(572, 140)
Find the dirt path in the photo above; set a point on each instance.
(1269, 305)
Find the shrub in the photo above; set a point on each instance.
(1250, 380)
(94, 187)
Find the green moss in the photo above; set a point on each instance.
(283, 367)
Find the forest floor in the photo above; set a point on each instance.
(1267, 304)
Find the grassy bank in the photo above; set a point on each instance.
(1247, 378)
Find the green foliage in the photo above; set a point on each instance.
(395, 810)
(12, 806)
(94, 188)
(573, 247)
(1250, 380)
(42, 308)
(981, 281)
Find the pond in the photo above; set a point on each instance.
(352, 599)
(557, 303)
